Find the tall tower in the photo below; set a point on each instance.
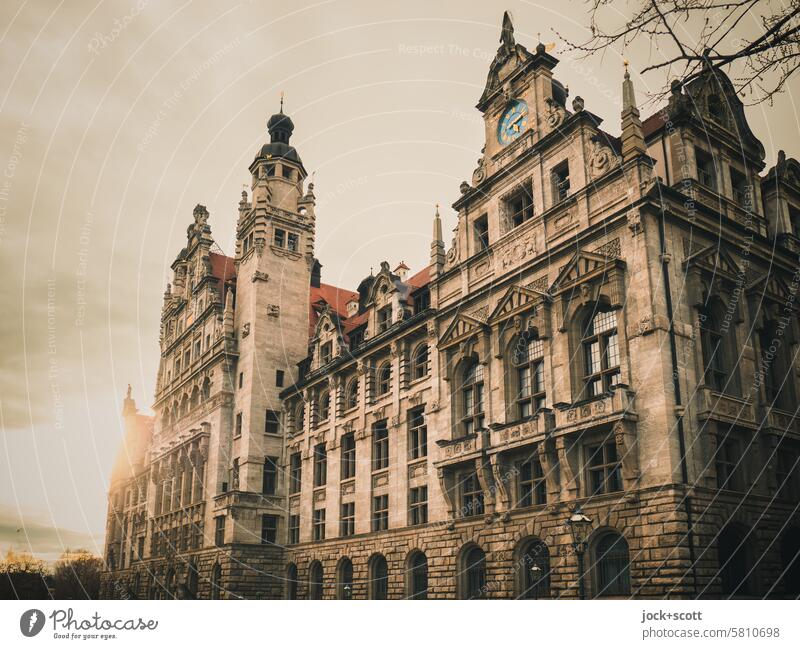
(274, 258)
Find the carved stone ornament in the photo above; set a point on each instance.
(480, 172)
(245, 330)
(259, 276)
(600, 158)
(554, 113)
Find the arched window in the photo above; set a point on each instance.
(174, 416)
(137, 583)
(419, 362)
(185, 405)
(291, 581)
(324, 405)
(472, 416)
(206, 388)
(790, 561)
(735, 562)
(195, 397)
(378, 577)
(344, 579)
(383, 378)
(300, 417)
(600, 353)
(315, 578)
(714, 343)
(351, 394)
(472, 574)
(191, 580)
(417, 575)
(611, 563)
(527, 359)
(534, 570)
(216, 582)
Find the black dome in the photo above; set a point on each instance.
(280, 121)
(280, 127)
(279, 150)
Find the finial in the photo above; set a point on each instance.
(128, 395)
(281, 101)
(507, 33)
(437, 210)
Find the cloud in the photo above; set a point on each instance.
(32, 533)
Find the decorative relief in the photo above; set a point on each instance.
(245, 330)
(380, 480)
(294, 502)
(319, 496)
(460, 448)
(562, 221)
(481, 314)
(517, 251)
(273, 310)
(612, 249)
(348, 487)
(259, 276)
(510, 435)
(417, 470)
(480, 172)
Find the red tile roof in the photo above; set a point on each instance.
(653, 123)
(422, 278)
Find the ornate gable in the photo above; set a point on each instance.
(716, 260)
(516, 301)
(584, 267)
(460, 329)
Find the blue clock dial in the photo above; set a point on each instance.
(513, 123)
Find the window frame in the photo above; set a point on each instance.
(348, 456)
(417, 433)
(380, 513)
(528, 368)
(270, 476)
(609, 467)
(473, 399)
(418, 505)
(320, 465)
(599, 380)
(472, 497)
(318, 524)
(347, 519)
(380, 445)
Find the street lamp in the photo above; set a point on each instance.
(348, 591)
(580, 525)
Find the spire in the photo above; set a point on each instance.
(128, 404)
(437, 245)
(632, 131)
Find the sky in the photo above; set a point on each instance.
(117, 118)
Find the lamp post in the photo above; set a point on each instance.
(348, 591)
(579, 526)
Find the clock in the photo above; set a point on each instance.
(513, 122)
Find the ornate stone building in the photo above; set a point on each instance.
(593, 387)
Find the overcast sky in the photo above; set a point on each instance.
(117, 118)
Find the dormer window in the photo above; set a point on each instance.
(384, 318)
(560, 178)
(706, 173)
(325, 353)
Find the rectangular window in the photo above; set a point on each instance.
(418, 506)
(319, 524)
(320, 465)
(294, 528)
(740, 188)
(270, 169)
(384, 318)
(269, 483)
(481, 233)
(292, 242)
(380, 513)
(140, 547)
(728, 461)
(471, 495)
(422, 300)
(237, 432)
(241, 379)
(380, 445)
(347, 525)
(197, 349)
(325, 353)
(560, 175)
(348, 456)
(279, 378)
(417, 433)
(235, 474)
(532, 484)
(269, 528)
(287, 172)
(520, 206)
(219, 531)
(187, 358)
(272, 422)
(280, 238)
(604, 468)
(706, 171)
(295, 473)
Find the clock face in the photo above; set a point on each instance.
(513, 123)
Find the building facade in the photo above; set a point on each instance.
(591, 391)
